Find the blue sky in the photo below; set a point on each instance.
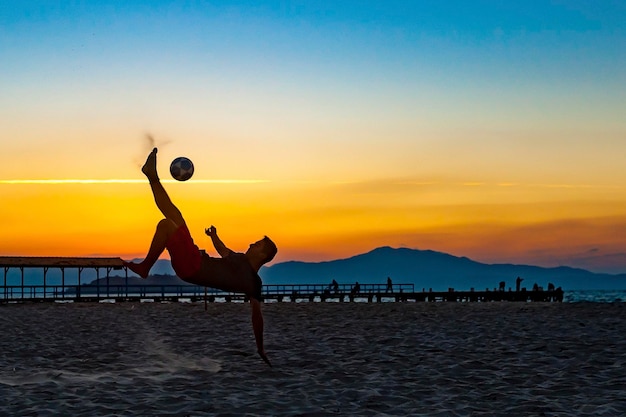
(481, 107)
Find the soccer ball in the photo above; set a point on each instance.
(181, 168)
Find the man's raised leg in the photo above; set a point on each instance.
(161, 198)
(166, 227)
(164, 230)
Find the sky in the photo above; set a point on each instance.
(488, 129)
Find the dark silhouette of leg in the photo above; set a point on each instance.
(161, 198)
(164, 230)
(166, 227)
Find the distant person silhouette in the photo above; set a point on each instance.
(502, 285)
(389, 285)
(233, 272)
(518, 282)
(357, 288)
(334, 286)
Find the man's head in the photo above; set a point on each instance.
(265, 248)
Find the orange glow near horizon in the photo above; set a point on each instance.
(318, 221)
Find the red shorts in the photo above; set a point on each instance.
(185, 255)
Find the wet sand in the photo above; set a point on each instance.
(329, 359)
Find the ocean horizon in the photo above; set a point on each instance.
(594, 296)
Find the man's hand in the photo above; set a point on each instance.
(217, 242)
(264, 357)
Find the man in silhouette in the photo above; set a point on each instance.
(233, 272)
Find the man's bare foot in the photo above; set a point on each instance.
(149, 168)
(138, 269)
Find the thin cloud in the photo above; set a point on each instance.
(535, 185)
(123, 181)
(574, 186)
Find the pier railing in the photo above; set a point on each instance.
(130, 292)
(271, 293)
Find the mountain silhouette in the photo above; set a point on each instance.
(425, 269)
(428, 269)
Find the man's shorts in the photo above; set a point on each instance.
(185, 255)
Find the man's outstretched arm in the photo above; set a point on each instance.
(257, 326)
(217, 242)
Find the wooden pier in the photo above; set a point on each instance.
(119, 289)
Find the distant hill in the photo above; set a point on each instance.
(436, 270)
(114, 281)
(423, 268)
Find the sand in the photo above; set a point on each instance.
(515, 359)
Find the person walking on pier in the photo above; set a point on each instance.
(233, 272)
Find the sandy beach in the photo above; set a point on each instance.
(442, 359)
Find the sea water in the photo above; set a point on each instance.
(594, 296)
